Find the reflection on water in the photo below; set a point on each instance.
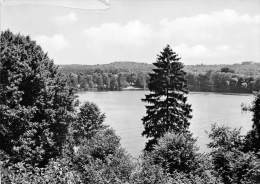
(124, 111)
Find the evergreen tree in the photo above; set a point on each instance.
(167, 108)
(36, 106)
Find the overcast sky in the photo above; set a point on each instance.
(200, 31)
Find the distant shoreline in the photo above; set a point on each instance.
(191, 92)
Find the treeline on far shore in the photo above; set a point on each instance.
(130, 75)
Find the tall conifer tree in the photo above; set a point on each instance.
(167, 108)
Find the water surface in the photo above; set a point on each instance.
(124, 111)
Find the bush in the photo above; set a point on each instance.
(88, 122)
(230, 162)
(174, 160)
(102, 160)
(146, 172)
(56, 172)
(225, 138)
(176, 152)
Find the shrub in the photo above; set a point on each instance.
(176, 152)
(229, 161)
(146, 172)
(89, 120)
(101, 159)
(175, 160)
(56, 172)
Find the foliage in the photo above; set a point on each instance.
(88, 121)
(252, 142)
(176, 152)
(178, 155)
(146, 172)
(95, 150)
(229, 161)
(256, 121)
(56, 172)
(224, 137)
(227, 70)
(102, 160)
(167, 108)
(36, 106)
(252, 139)
(180, 178)
(97, 156)
(215, 81)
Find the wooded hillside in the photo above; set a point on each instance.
(236, 78)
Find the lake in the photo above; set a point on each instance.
(124, 110)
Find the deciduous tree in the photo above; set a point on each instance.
(36, 105)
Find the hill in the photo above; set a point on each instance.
(114, 66)
(245, 68)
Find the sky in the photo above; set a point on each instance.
(199, 31)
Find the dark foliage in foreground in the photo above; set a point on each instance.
(252, 138)
(43, 139)
(175, 160)
(57, 171)
(230, 161)
(35, 102)
(95, 159)
(102, 160)
(256, 123)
